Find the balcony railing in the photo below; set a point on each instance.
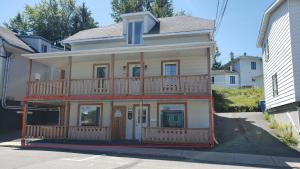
(153, 85)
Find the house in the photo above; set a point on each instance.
(249, 69)
(13, 75)
(39, 44)
(225, 79)
(145, 79)
(279, 39)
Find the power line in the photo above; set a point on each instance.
(221, 15)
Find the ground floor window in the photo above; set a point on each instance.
(172, 115)
(89, 115)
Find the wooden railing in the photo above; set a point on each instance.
(45, 132)
(154, 85)
(175, 135)
(47, 88)
(89, 133)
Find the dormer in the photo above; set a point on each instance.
(137, 24)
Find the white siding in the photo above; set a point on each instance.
(223, 80)
(246, 73)
(280, 59)
(295, 34)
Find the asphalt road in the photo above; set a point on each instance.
(39, 159)
(248, 133)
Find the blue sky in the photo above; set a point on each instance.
(238, 32)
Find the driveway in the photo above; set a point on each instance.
(248, 133)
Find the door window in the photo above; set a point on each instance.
(101, 71)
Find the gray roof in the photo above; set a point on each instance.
(223, 72)
(167, 25)
(11, 38)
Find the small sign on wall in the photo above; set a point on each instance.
(118, 113)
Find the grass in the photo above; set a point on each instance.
(285, 134)
(237, 99)
(273, 123)
(267, 116)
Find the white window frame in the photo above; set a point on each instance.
(101, 66)
(233, 80)
(133, 32)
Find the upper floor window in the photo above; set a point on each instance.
(135, 32)
(253, 65)
(275, 85)
(266, 50)
(232, 79)
(170, 68)
(44, 48)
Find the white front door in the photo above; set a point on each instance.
(138, 119)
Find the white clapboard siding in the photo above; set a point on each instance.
(280, 59)
(295, 34)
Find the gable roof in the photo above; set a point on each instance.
(11, 38)
(221, 71)
(173, 24)
(265, 21)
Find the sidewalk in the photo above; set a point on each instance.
(187, 155)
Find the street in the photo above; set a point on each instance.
(11, 158)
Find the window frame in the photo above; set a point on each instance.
(165, 62)
(185, 114)
(234, 80)
(43, 47)
(133, 22)
(275, 85)
(95, 66)
(90, 104)
(253, 65)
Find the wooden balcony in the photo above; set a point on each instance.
(153, 85)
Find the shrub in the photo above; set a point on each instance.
(273, 123)
(285, 134)
(267, 116)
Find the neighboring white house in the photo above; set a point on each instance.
(279, 38)
(225, 78)
(39, 44)
(247, 70)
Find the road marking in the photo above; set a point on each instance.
(78, 160)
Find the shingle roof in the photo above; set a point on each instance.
(223, 72)
(166, 25)
(11, 38)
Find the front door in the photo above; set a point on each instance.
(118, 123)
(138, 119)
(101, 76)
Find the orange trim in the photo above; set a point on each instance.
(87, 104)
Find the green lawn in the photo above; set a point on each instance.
(243, 99)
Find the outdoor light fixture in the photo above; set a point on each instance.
(124, 68)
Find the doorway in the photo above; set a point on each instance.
(138, 124)
(118, 123)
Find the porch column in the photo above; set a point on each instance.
(29, 76)
(66, 119)
(24, 122)
(209, 92)
(112, 76)
(142, 75)
(70, 75)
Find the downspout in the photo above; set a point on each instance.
(5, 80)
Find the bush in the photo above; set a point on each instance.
(285, 134)
(267, 116)
(273, 123)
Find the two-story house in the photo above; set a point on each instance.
(279, 39)
(243, 71)
(144, 79)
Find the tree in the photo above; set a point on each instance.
(216, 64)
(159, 8)
(82, 19)
(52, 19)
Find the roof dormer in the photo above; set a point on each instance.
(137, 24)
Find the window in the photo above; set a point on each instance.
(136, 71)
(135, 32)
(170, 68)
(172, 115)
(232, 79)
(89, 115)
(44, 48)
(275, 85)
(253, 65)
(266, 50)
(213, 80)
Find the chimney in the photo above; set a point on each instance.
(245, 54)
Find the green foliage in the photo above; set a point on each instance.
(52, 19)
(267, 116)
(181, 13)
(216, 64)
(285, 134)
(273, 123)
(237, 100)
(159, 8)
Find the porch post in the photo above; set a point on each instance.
(24, 122)
(66, 119)
(29, 76)
(209, 92)
(112, 76)
(70, 75)
(142, 73)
